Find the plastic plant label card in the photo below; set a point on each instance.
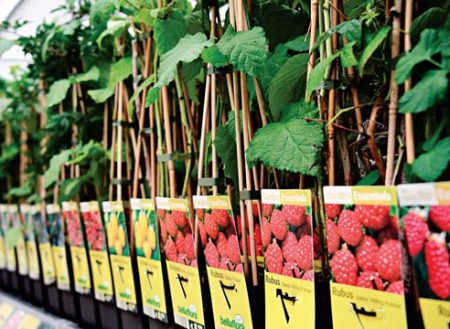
(229, 296)
(2, 237)
(6, 310)
(55, 227)
(17, 228)
(96, 241)
(425, 215)
(119, 250)
(182, 270)
(365, 255)
(80, 266)
(287, 239)
(30, 240)
(146, 243)
(6, 223)
(29, 322)
(45, 249)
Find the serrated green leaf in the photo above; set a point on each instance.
(92, 75)
(428, 92)
(371, 47)
(428, 46)
(352, 30)
(5, 45)
(120, 71)
(318, 73)
(213, 56)
(246, 50)
(168, 29)
(300, 110)
(70, 187)
(54, 168)
(144, 16)
(288, 85)
(115, 30)
(429, 166)
(299, 44)
(57, 92)
(370, 179)
(272, 65)
(294, 146)
(101, 95)
(225, 143)
(187, 50)
(348, 58)
(431, 18)
(431, 142)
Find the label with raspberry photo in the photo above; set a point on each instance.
(15, 235)
(288, 242)
(120, 254)
(220, 244)
(425, 215)
(177, 245)
(27, 212)
(365, 255)
(80, 267)
(98, 254)
(146, 244)
(55, 228)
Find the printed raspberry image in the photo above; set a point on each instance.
(95, 233)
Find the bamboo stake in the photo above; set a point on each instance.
(393, 103)
(371, 142)
(168, 137)
(409, 124)
(312, 38)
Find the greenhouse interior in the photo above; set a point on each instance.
(224, 164)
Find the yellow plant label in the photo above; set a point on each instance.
(62, 270)
(355, 307)
(101, 275)
(6, 310)
(185, 289)
(435, 313)
(33, 260)
(229, 299)
(48, 266)
(22, 258)
(80, 270)
(124, 283)
(2, 253)
(29, 322)
(10, 259)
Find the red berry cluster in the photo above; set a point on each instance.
(429, 236)
(287, 237)
(74, 230)
(372, 261)
(94, 230)
(176, 237)
(219, 239)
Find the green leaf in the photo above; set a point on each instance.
(120, 71)
(168, 28)
(371, 47)
(428, 92)
(225, 143)
(299, 44)
(431, 18)
(431, 142)
(92, 75)
(370, 179)
(115, 30)
(273, 64)
(352, 30)
(288, 85)
(293, 145)
(5, 45)
(348, 58)
(21, 191)
(70, 187)
(187, 50)
(101, 95)
(429, 166)
(247, 50)
(54, 168)
(57, 92)
(144, 16)
(213, 56)
(137, 93)
(318, 73)
(428, 46)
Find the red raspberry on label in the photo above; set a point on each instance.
(171, 250)
(366, 253)
(438, 266)
(278, 224)
(179, 242)
(161, 213)
(225, 263)
(389, 260)
(440, 216)
(291, 269)
(396, 288)
(200, 213)
(274, 258)
(370, 280)
(211, 227)
(233, 251)
(221, 217)
(221, 244)
(171, 226)
(344, 267)
(179, 217)
(202, 232)
(212, 255)
(257, 233)
(163, 231)
(267, 209)
(189, 246)
(416, 231)
(374, 217)
(332, 210)
(290, 248)
(349, 228)
(333, 239)
(266, 233)
(308, 275)
(239, 268)
(305, 253)
(294, 215)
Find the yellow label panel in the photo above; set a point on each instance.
(289, 302)
(22, 257)
(10, 259)
(355, 307)
(29, 322)
(385, 195)
(231, 308)
(80, 270)
(443, 192)
(33, 260)
(152, 288)
(185, 289)
(435, 313)
(6, 310)
(62, 270)
(124, 283)
(48, 267)
(101, 275)
(2, 253)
